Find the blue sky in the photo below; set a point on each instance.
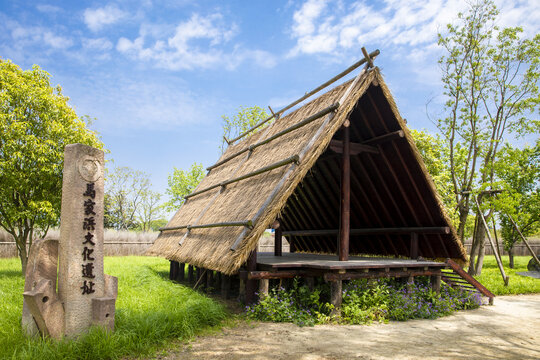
(158, 75)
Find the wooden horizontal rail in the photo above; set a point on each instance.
(355, 148)
(372, 55)
(374, 231)
(292, 159)
(379, 274)
(304, 122)
(247, 223)
(385, 137)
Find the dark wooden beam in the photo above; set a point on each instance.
(414, 245)
(345, 223)
(384, 138)
(380, 274)
(355, 148)
(374, 231)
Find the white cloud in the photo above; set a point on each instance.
(55, 41)
(48, 9)
(96, 19)
(390, 23)
(199, 42)
(99, 44)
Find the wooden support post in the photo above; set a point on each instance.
(203, 278)
(263, 288)
(310, 283)
(190, 274)
(336, 297)
(217, 281)
(524, 240)
(181, 272)
(173, 270)
(225, 286)
(410, 283)
(345, 225)
(209, 280)
(414, 246)
(278, 239)
(198, 275)
(499, 261)
(251, 285)
(241, 291)
(435, 281)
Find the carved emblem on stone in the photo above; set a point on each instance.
(90, 168)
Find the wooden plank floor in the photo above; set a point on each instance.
(329, 262)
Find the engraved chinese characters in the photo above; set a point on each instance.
(89, 224)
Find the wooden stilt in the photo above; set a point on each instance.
(263, 288)
(435, 281)
(336, 296)
(310, 283)
(209, 280)
(251, 285)
(203, 278)
(241, 291)
(410, 283)
(181, 272)
(345, 226)
(198, 273)
(217, 281)
(173, 270)
(190, 274)
(278, 239)
(225, 286)
(414, 246)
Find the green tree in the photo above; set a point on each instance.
(519, 174)
(245, 119)
(36, 123)
(181, 183)
(126, 190)
(149, 211)
(490, 78)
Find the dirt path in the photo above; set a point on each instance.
(508, 330)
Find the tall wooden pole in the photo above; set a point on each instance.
(345, 225)
(278, 239)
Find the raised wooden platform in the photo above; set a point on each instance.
(267, 261)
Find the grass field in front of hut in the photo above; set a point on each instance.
(151, 312)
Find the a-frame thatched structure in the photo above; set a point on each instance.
(293, 170)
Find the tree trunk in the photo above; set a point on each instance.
(474, 250)
(22, 252)
(480, 238)
(463, 214)
(511, 257)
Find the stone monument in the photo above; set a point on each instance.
(86, 296)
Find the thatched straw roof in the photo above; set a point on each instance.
(390, 187)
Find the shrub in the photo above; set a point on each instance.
(363, 302)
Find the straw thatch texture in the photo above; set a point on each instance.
(245, 200)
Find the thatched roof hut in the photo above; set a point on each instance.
(291, 170)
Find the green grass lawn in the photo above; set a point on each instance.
(151, 311)
(518, 284)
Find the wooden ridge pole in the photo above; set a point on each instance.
(345, 223)
(370, 56)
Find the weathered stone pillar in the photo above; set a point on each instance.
(80, 277)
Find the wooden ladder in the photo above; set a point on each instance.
(456, 277)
